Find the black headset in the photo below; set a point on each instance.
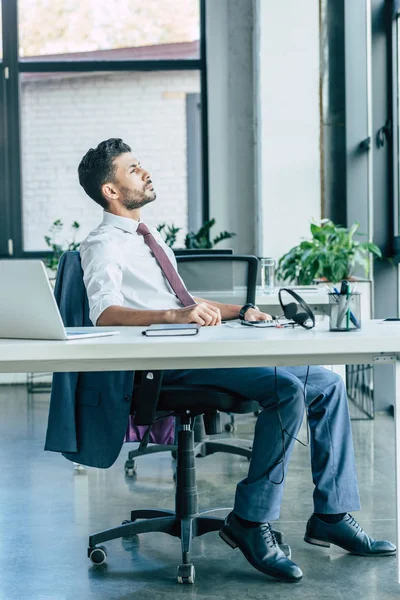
(291, 311)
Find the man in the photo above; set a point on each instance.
(130, 278)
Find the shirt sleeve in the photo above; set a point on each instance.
(102, 275)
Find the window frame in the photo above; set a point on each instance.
(11, 66)
(395, 100)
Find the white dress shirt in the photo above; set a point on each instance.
(119, 269)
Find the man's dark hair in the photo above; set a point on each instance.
(97, 167)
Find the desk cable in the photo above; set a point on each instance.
(283, 431)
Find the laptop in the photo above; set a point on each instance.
(28, 308)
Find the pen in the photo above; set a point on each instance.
(352, 317)
(342, 303)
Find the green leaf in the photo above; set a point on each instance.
(57, 246)
(332, 253)
(201, 238)
(224, 235)
(168, 233)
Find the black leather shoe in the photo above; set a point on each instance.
(259, 546)
(347, 534)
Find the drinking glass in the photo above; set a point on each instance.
(267, 266)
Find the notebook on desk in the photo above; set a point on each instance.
(171, 329)
(28, 308)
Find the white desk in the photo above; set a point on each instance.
(215, 347)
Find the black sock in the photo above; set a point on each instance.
(332, 519)
(247, 524)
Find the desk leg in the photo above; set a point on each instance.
(397, 458)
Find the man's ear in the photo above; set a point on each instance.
(109, 191)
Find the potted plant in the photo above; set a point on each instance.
(57, 245)
(332, 254)
(199, 240)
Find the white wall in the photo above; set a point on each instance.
(231, 119)
(288, 122)
(264, 124)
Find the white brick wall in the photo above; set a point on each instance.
(65, 115)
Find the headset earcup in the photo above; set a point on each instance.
(301, 318)
(290, 311)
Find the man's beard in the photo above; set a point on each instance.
(133, 200)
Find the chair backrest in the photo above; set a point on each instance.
(70, 291)
(224, 278)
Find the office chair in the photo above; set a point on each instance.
(196, 252)
(232, 277)
(151, 400)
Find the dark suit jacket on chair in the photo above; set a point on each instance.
(89, 412)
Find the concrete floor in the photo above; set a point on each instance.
(47, 511)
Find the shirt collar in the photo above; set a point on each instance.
(129, 225)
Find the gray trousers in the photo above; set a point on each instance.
(259, 496)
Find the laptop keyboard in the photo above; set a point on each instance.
(69, 332)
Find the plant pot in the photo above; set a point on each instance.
(364, 286)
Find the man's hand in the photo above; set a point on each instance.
(253, 314)
(201, 313)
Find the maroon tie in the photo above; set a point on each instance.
(166, 266)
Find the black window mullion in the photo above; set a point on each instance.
(4, 203)
(204, 113)
(70, 66)
(394, 33)
(12, 129)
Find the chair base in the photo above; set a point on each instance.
(186, 522)
(208, 447)
(165, 521)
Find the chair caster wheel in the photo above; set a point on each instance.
(130, 468)
(230, 427)
(186, 574)
(78, 467)
(98, 555)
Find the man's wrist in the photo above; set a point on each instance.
(168, 316)
(245, 308)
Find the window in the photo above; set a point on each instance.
(78, 74)
(58, 27)
(65, 114)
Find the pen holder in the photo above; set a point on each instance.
(345, 312)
